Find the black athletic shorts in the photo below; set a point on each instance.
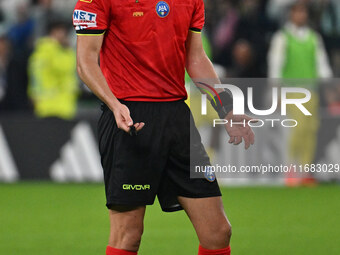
(157, 160)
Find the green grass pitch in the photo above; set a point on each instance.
(55, 219)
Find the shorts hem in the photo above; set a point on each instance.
(179, 208)
(172, 209)
(127, 203)
(216, 194)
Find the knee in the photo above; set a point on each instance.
(131, 238)
(223, 233)
(219, 236)
(126, 237)
(226, 231)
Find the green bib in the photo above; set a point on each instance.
(300, 57)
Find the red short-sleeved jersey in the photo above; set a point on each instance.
(143, 53)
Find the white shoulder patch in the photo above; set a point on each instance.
(83, 19)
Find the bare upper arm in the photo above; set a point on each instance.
(88, 47)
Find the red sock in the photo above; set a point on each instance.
(113, 251)
(224, 251)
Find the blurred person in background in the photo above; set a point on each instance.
(255, 27)
(2, 21)
(4, 52)
(296, 44)
(20, 36)
(277, 10)
(329, 16)
(243, 20)
(20, 33)
(9, 8)
(244, 61)
(297, 52)
(43, 14)
(332, 94)
(224, 31)
(245, 65)
(53, 84)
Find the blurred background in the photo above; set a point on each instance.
(51, 194)
(241, 37)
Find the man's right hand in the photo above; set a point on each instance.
(123, 118)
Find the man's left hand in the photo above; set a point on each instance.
(238, 129)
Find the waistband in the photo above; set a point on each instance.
(104, 107)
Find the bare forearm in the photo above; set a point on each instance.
(91, 74)
(201, 70)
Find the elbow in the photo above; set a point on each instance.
(190, 71)
(188, 68)
(80, 69)
(86, 65)
(191, 65)
(195, 65)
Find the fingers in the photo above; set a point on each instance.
(123, 119)
(238, 133)
(246, 139)
(249, 139)
(251, 136)
(121, 124)
(238, 140)
(139, 126)
(128, 120)
(126, 128)
(136, 128)
(232, 139)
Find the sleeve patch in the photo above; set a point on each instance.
(83, 19)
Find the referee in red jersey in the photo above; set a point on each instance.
(144, 47)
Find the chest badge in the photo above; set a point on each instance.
(162, 9)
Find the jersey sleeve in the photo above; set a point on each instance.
(198, 17)
(91, 17)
